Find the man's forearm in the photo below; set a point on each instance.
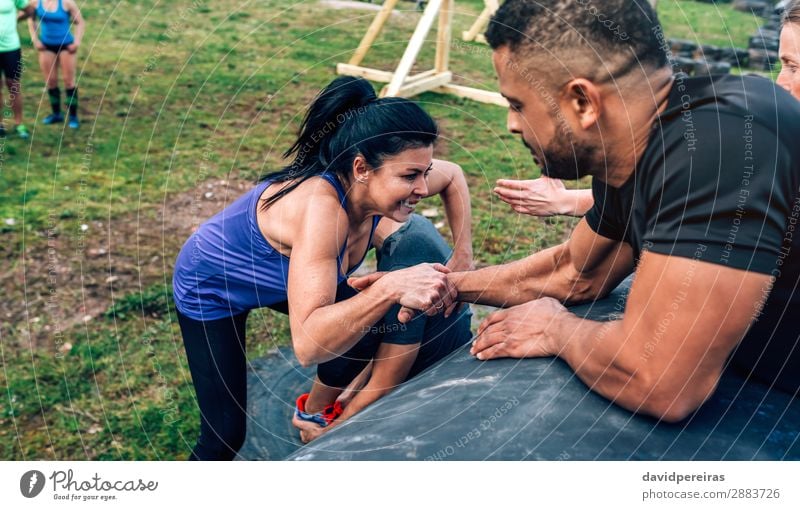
(597, 353)
(546, 273)
(609, 361)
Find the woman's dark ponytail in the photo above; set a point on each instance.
(347, 119)
(343, 94)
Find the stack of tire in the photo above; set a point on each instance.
(763, 44)
(702, 60)
(761, 53)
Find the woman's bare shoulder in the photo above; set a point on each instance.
(313, 188)
(311, 209)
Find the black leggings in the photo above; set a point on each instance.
(216, 353)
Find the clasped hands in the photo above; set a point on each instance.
(523, 331)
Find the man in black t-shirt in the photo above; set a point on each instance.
(697, 190)
(719, 182)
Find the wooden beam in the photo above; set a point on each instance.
(372, 32)
(364, 72)
(482, 96)
(425, 84)
(475, 31)
(479, 25)
(400, 81)
(412, 50)
(419, 76)
(443, 36)
(378, 75)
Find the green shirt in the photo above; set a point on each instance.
(9, 38)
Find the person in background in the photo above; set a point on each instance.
(52, 36)
(789, 51)
(12, 11)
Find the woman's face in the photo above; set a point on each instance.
(790, 59)
(397, 186)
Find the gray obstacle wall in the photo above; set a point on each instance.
(534, 409)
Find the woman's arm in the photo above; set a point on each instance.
(544, 197)
(447, 180)
(77, 23)
(323, 329)
(390, 368)
(33, 29)
(26, 11)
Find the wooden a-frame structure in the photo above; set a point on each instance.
(475, 32)
(400, 82)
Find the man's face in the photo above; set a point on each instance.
(534, 114)
(790, 59)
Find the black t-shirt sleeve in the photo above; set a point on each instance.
(603, 216)
(723, 200)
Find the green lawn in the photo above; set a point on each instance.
(177, 97)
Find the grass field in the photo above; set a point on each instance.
(184, 104)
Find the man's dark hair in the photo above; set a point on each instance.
(586, 37)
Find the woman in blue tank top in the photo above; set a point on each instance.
(292, 241)
(51, 33)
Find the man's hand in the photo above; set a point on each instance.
(520, 331)
(38, 45)
(72, 48)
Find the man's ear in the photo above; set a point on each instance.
(360, 169)
(584, 101)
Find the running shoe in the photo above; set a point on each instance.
(22, 132)
(73, 122)
(53, 118)
(324, 418)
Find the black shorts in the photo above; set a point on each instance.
(56, 48)
(11, 64)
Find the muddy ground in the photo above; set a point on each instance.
(61, 280)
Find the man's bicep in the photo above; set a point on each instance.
(589, 250)
(684, 317)
(603, 261)
(729, 199)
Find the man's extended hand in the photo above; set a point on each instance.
(520, 331)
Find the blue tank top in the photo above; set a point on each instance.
(227, 267)
(55, 25)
